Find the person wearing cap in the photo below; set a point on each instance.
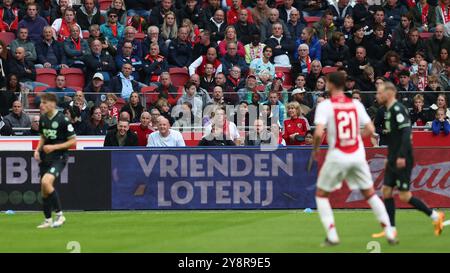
(96, 90)
(296, 127)
(277, 86)
(99, 61)
(112, 29)
(264, 63)
(303, 99)
(245, 93)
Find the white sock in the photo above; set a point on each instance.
(59, 213)
(380, 212)
(327, 218)
(434, 215)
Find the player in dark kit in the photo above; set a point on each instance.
(57, 136)
(400, 158)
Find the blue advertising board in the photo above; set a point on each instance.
(217, 178)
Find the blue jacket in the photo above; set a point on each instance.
(35, 27)
(281, 111)
(137, 47)
(105, 29)
(315, 50)
(42, 50)
(228, 62)
(72, 53)
(134, 60)
(438, 126)
(393, 15)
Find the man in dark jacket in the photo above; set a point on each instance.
(283, 47)
(357, 64)
(438, 42)
(233, 59)
(409, 47)
(88, 14)
(24, 70)
(335, 52)
(393, 12)
(122, 136)
(191, 11)
(139, 7)
(157, 16)
(99, 61)
(50, 53)
(216, 26)
(244, 29)
(180, 50)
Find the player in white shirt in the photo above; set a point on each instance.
(346, 158)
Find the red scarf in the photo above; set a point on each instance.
(114, 30)
(308, 63)
(77, 44)
(64, 31)
(153, 78)
(425, 13)
(422, 82)
(445, 14)
(14, 24)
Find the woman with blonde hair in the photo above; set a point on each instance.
(169, 29)
(194, 31)
(296, 127)
(231, 36)
(309, 38)
(119, 5)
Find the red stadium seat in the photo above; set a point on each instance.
(74, 77)
(288, 81)
(426, 35)
(329, 69)
(179, 76)
(32, 96)
(7, 37)
(150, 95)
(104, 4)
(312, 19)
(120, 103)
(46, 75)
(279, 3)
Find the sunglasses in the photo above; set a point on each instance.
(113, 16)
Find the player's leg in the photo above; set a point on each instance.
(53, 196)
(46, 189)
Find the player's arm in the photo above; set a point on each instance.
(317, 138)
(320, 120)
(61, 146)
(404, 128)
(38, 148)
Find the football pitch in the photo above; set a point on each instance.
(214, 231)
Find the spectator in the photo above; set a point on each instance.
(201, 92)
(314, 74)
(185, 118)
(180, 50)
(169, 28)
(233, 59)
(133, 107)
(113, 110)
(34, 131)
(119, 6)
(267, 25)
(286, 10)
(260, 64)
(308, 37)
(277, 107)
(229, 128)
(18, 119)
(361, 12)
(441, 103)
(442, 14)
(408, 47)
(296, 127)
(319, 89)
(142, 130)
(204, 43)
(76, 48)
(441, 123)
(357, 64)
(393, 11)
(304, 100)
(157, 15)
(112, 29)
(57, 9)
(234, 12)
(130, 36)
(282, 46)
(438, 65)
(336, 53)
(154, 37)
(94, 33)
(437, 42)
(190, 91)
(24, 69)
(193, 12)
(300, 83)
(444, 77)
(121, 136)
(233, 84)
(88, 15)
(5, 129)
(296, 22)
(165, 137)
(401, 32)
(260, 12)
(34, 23)
(162, 109)
(50, 54)
(155, 114)
(198, 66)
(390, 66)
(63, 93)
(357, 40)
(9, 16)
(340, 10)
(217, 96)
(419, 115)
(154, 65)
(9, 94)
(302, 65)
(380, 44)
(244, 28)
(245, 94)
(216, 25)
(99, 61)
(230, 36)
(139, 7)
(80, 101)
(124, 82)
(23, 41)
(107, 119)
(432, 90)
(420, 78)
(62, 27)
(167, 90)
(325, 27)
(406, 88)
(96, 90)
(313, 8)
(73, 114)
(347, 28)
(127, 56)
(260, 135)
(254, 49)
(424, 16)
(4, 55)
(97, 125)
(217, 137)
(207, 82)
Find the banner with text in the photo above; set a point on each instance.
(228, 178)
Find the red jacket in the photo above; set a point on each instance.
(14, 25)
(201, 69)
(233, 15)
(292, 126)
(142, 133)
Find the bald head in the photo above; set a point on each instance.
(20, 53)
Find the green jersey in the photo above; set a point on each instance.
(399, 137)
(56, 130)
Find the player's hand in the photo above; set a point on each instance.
(48, 148)
(401, 163)
(37, 156)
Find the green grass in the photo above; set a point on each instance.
(213, 231)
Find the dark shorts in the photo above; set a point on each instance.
(399, 178)
(53, 165)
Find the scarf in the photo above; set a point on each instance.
(307, 62)
(77, 44)
(422, 82)
(64, 31)
(424, 11)
(256, 51)
(445, 14)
